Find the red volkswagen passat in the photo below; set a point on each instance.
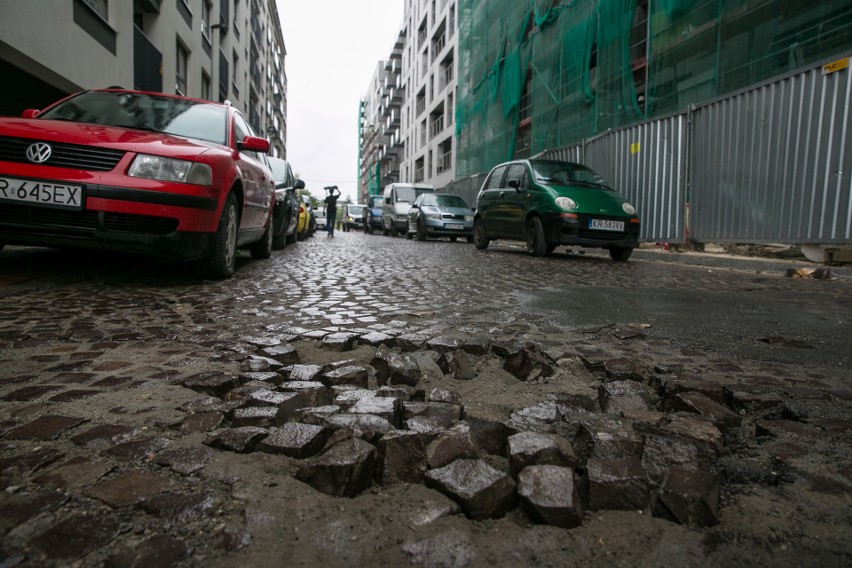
(137, 171)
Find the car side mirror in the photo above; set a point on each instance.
(254, 144)
(300, 184)
(30, 113)
(514, 183)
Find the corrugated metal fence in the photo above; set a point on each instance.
(770, 164)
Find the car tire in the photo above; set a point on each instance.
(385, 232)
(409, 235)
(421, 231)
(263, 248)
(279, 241)
(222, 260)
(536, 244)
(480, 240)
(620, 254)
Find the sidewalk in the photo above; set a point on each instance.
(737, 262)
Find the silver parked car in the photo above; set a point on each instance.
(440, 215)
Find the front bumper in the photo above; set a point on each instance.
(576, 232)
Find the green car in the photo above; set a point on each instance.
(549, 203)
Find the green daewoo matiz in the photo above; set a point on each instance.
(549, 203)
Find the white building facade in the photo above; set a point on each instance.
(211, 49)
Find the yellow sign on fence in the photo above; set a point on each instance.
(635, 147)
(838, 65)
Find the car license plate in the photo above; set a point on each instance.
(454, 226)
(606, 225)
(44, 193)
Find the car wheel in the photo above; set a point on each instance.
(292, 238)
(263, 248)
(620, 253)
(222, 260)
(409, 235)
(480, 240)
(536, 245)
(279, 241)
(421, 231)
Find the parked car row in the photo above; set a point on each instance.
(544, 203)
(145, 172)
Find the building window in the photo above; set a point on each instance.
(99, 7)
(206, 8)
(180, 68)
(205, 86)
(234, 85)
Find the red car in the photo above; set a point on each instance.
(136, 171)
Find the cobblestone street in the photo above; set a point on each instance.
(148, 418)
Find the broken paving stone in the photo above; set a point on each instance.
(257, 363)
(213, 383)
(240, 440)
(74, 473)
(102, 436)
(490, 434)
(538, 418)
(46, 427)
(314, 415)
(77, 536)
(177, 508)
(312, 393)
(689, 497)
(302, 372)
(387, 408)
(371, 427)
(347, 397)
(349, 375)
(444, 344)
(506, 348)
(201, 422)
(272, 377)
(403, 393)
(528, 363)
(549, 496)
(410, 341)
(753, 398)
(344, 470)
(623, 396)
(285, 354)
(294, 439)
(689, 444)
(450, 445)
(721, 416)
(623, 369)
(159, 551)
(482, 491)
(443, 414)
(477, 345)
(395, 368)
(534, 448)
(127, 488)
(781, 428)
(266, 397)
(263, 416)
(402, 458)
(618, 484)
(186, 461)
(340, 341)
(376, 338)
(457, 364)
(606, 436)
(669, 386)
(444, 395)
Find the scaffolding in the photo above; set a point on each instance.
(542, 74)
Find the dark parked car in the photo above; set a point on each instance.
(286, 214)
(136, 171)
(548, 203)
(440, 215)
(373, 214)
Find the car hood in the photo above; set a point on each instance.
(99, 136)
(593, 200)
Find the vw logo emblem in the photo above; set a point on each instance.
(39, 152)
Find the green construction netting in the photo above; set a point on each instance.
(539, 74)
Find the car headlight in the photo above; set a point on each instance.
(169, 169)
(566, 203)
(629, 209)
(433, 216)
(468, 218)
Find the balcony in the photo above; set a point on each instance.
(445, 161)
(436, 127)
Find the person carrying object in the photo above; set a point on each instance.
(331, 208)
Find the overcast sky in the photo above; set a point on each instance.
(333, 47)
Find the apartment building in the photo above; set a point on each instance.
(211, 49)
(381, 146)
(429, 70)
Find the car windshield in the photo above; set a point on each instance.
(178, 117)
(409, 194)
(444, 201)
(567, 173)
(356, 210)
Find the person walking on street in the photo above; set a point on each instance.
(331, 208)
